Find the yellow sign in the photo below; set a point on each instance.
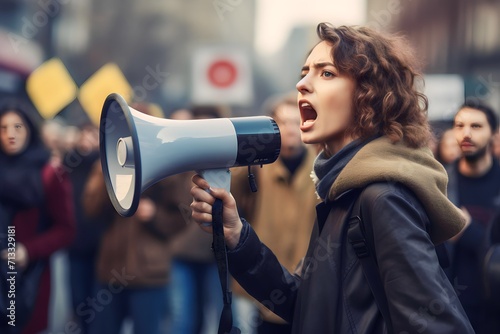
(51, 88)
(156, 111)
(108, 79)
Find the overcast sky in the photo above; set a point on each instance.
(275, 18)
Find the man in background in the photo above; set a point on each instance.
(282, 211)
(474, 186)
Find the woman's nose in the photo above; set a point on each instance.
(304, 86)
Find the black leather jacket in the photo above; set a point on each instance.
(330, 293)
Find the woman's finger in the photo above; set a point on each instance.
(201, 213)
(200, 182)
(201, 195)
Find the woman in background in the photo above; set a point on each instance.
(35, 198)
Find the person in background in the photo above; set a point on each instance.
(448, 150)
(181, 114)
(52, 132)
(285, 199)
(494, 231)
(495, 145)
(357, 99)
(491, 274)
(78, 161)
(134, 256)
(35, 198)
(474, 186)
(197, 294)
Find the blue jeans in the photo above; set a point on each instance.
(196, 297)
(245, 314)
(83, 284)
(145, 306)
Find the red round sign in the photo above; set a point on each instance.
(222, 73)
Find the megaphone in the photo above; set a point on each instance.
(138, 150)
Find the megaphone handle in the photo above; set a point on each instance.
(217, 177)
(219, 248)
(221, 178)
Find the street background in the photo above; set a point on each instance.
(65, 56)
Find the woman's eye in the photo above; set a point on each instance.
(328, 74)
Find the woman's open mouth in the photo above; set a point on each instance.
(307, 114)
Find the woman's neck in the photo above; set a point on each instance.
(331, 148)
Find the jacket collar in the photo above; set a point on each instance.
(417, 169)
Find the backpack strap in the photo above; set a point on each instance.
(361, 238)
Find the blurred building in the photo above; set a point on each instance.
(160, 37)
(20, 49)
(451, 37)
(286, 64)
(146, 37)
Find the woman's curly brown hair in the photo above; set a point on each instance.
(386, 101)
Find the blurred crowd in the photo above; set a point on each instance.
(155, 272)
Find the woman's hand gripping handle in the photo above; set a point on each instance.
(203, 198)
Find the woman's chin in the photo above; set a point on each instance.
(308, 139)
